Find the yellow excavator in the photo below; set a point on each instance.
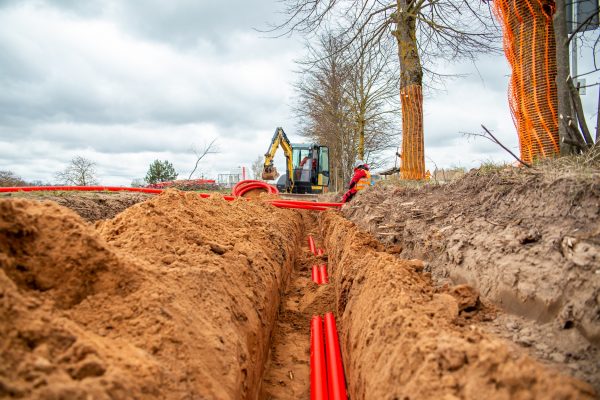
(307, 166)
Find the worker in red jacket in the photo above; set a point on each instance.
(360, 180)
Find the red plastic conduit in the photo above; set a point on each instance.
(315, 274)
(335, 369)
(318, 374)
(311, 244)
(242, 187)
(323, 277)
(79, 189)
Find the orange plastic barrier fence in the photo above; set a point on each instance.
(531, 51)
(413, 146)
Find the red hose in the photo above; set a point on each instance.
(335, 369)
(311, 244)
(318, 375)
(316, 278)
(78, 189)
(323, 277)
(243, 187)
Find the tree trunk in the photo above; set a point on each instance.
(411, 95)
(562, 73)
(361, 137)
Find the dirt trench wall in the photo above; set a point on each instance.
(527, 240)
(175, 298)
(401, 339)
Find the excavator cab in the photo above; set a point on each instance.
(307, 165)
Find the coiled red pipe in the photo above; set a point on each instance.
(318, 375)
(243, 187)
(335, 369)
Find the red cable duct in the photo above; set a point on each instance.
(316, 278)
(323, 277)
(335, 368)
(318, 374)
(311, 244)
(243, 187)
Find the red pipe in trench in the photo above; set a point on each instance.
(323, 277)
(316, 278)
(311, 245)
(335, 368)
(318, 375)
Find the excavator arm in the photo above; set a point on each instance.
(269, 170)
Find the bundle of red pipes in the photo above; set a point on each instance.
(327, 372)
(281, 203)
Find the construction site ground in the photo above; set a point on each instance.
(487, 287)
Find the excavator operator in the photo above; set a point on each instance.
(360, 180)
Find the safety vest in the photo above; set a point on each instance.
(364, 182)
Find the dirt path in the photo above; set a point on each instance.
(287, 373)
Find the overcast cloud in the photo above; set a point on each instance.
(126, 82)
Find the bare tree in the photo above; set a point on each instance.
(206, 149)
(423, 31)
(348, 101)
(257, 167)
(79, 172)
(9, 178)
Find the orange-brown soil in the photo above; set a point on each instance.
(402, 339)
(528, 240)
(179, 297)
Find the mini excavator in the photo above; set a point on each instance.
(307, 166)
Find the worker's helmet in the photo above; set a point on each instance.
(359, 163)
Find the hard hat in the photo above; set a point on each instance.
(358, 163)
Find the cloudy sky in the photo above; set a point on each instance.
(124, 82)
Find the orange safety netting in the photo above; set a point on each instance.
(530, 49)
(413, 153)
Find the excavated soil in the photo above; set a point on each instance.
(402, 339)
(90, 206)
(179, 297)
(175, 298)
(527, 240)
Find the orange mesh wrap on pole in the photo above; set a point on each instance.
(413, 147)
(530, 49)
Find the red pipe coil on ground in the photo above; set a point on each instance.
(335, 368)
(323, 277)
(243, 187)
(311, 244)
(318, 373)
(315, 275)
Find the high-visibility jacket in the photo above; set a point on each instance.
(364, 182)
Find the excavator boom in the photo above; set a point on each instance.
(279, 139)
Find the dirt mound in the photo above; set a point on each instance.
(174, 298)
(90, 206)
(48, 249)
(408, 343)
(528, 240)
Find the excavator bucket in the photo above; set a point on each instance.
(270, 173)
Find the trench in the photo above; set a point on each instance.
(287, 370)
